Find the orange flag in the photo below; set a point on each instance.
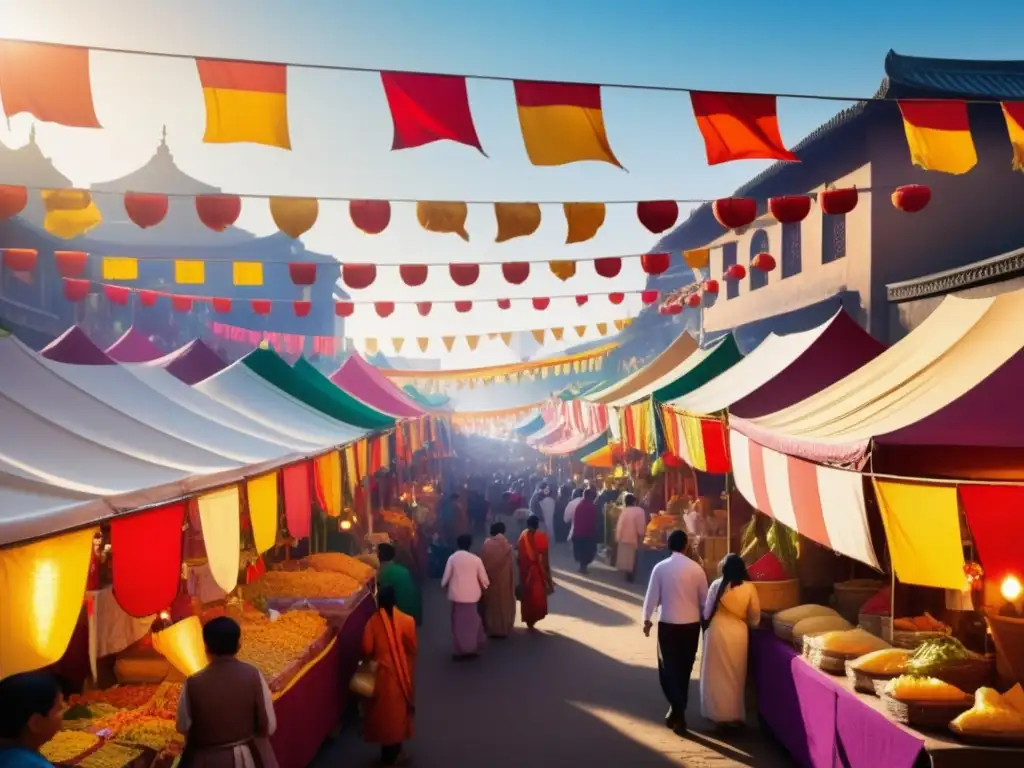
(563, 270)
(473, 342)
(582, 221)
(602, 329)
(507, 338)
(581, 330)
(1013, 111)
(449, 342)
(516, 220)
(423, 342)
(538, 336)
(49, 82)
(698, 258)
(246, 102)
(397, 344)
(443, 218)
(738, 126)
(562, 123)
(939, 135)
(558, 333)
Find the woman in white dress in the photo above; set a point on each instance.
(730, 610)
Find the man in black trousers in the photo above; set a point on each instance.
(677, 589)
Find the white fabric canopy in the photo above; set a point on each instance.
(623, 392)
(681, 368)
(29, 508)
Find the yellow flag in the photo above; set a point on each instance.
(516, 220)
(620, 324)
(328, 478)
(563, 270)
(294, 215)
(187, 272)
(473, 341)
(397, 344)
(261, 493)
(70, 213)
(538, 335)
(698, 258)
(602, 329)
(423, 342)
(247, 272)
(120, 268)
(582, 221)
(557, 333)
(507, 338)
(218, 515)
(443, 218)
(449, 342)
(371, 346)
(581, 331)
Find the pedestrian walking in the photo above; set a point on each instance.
(629, 532)
(498, 605)
(535, 582)
(584, 530)
(466, 579)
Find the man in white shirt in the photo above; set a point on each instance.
(570, 509)
(678, 587)
(629, 532)
(547, 507)
(466, 579)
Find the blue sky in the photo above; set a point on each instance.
(341, 129)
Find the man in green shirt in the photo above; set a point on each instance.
(392, 574)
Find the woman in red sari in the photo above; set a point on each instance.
(534, 572)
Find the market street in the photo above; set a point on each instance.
(583, 690)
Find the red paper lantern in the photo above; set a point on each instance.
(655, 263)
(75, 290)
(648, 297)
(735, 212)
(148, 298)
(384, 308)
(146, 210)
(836, 202)
(464, 275)
(358, 276)
(657, 215)
(764, 262)
(413, 275)
(424, 308)
(303, 273)
(301, 307)
(581, 300)
(221, 305)
(117, 294)
(541, 303)
(736, 272)
(181, 303)
(344, 308)
(693, 300)
(371, 216)
(616, 298)
(789, 209)
(516, 272)
(261, 306)
(710, 286)
(12, 200)
(463, 306)
(504, 303)
(20, 259)
(671, 309)
(608, 267)
(71, 263)
(912, 198)
(218, 212)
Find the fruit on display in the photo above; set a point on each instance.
(932, 655)
(340, 563)
(110, 755)
(993, 713)
(371, 560)
(663, 523)
(120, 696)
(67, 745)
(800, 612)
(816, 625)
(768, 568)
(398, 519)
(154, 733)
(275, 646)
(298, 584)
(911, 688)
(889, 661)
(848, 642)
(924, 623)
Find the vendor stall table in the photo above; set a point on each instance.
(823, 723)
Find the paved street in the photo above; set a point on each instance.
(583, 691)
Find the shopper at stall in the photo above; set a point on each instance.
(547, 505)
(498, 604)
(570, 509)
(629, 532)
(535, 582)
(731, 608)
(395, 575)
(584, 530)
(389, 639)
(466, 579)
(225, 710)
(678, 590)
(31, 708)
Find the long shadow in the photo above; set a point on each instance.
(568, 601)
(589, 582)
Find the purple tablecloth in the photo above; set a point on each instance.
(819, 722)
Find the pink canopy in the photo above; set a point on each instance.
(368, 385)
(133, 347)
(193, 363)
(75, 348)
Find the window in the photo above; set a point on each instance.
(758, 244)
(791, 258)
(732, 287)
(833, 238)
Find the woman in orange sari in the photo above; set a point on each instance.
(534, 572)
(389, 639)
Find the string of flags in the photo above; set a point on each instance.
(560, 123)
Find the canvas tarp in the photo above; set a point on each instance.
(434, 402)
(133, 347)
(717, 359)
(363, 414)
(73, 346)
(664, 364)
(193, 363)
(368, 385)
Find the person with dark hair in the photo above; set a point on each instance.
(535, 582)
(225, 710)
(466, 579)
(629, 533)
(31, 710)
(678, 589)
(584, 531)
(570, 509)
(498, 606)
(395, 575)
(730, 609)
(389, 640)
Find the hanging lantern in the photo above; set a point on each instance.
(358, 276)
(384, 308)
(698, 258)
(71, 263)
(516, 272)
(608, 267)
(789, 209)
(912, 198)
(541, 303)
(464, 275)
(75, 290)
(671, 309)
(657, 215)
(181, 303)
(504, 303)
(149, 298)
(145, 210)
(710, 286)
(616, 298)
(655, 263)
(302, 273)
(581, 300)
(12, 200)
(261, 306)
(371, 216)
(736, 272)
(735, 212)
(463, 306)
(294, 216)
(182, 645)
(218, 212)
(693, 300)
(344, 308)
(836, 202)
(563, 270)
(20, 259)
(648, 297)
(413, 275)
(764, 262)
(424, 307)
(117, 294)
(221, 304)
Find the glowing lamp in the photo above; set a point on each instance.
(182, 645)
(1011, 589)
(345, 525)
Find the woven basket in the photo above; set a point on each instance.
(1008, 635)
(911, 640)
(871, 622)
(833, 663)
(866, 682)
(968, 674)
(851, 596)
(927, 715)
(778, 595)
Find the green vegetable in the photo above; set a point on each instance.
(934, 654)
(78, 712)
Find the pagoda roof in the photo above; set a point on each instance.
(28, 166)
(159, 174)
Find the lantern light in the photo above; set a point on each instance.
(345, 525)
(790, 209)
(736, 272)
(837, 202)
(764, 262)
(182, 645)
(710, 286)
(693, 300)
(1011, 589)
(735, 212)
(912, 198)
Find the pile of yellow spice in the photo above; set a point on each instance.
(298, 584)
(337, 562)
(274, 646)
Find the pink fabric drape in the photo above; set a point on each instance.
(297, 499)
